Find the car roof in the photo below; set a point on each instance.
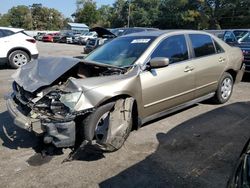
(15, 30)
(158, 33)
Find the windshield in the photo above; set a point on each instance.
(242, 36)
(122, 51)
(245, 38)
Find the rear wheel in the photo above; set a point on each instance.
(225, 89)
(18, 58)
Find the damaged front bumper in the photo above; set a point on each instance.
(19, 118)
(59, 133)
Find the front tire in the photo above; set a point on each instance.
(225, 89)
(18, 58)
(91, 122)
(97, 126)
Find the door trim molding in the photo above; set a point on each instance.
(177, 108)
(178, 95)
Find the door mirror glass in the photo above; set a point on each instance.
(158, 62)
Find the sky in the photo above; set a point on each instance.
(67, 7)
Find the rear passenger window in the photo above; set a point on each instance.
(174, 48)
(202, 45)
(7, 32)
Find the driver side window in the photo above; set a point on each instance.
(174, 48)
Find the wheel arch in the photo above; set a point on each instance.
(19, 48)
(233, 73)
(136, 124)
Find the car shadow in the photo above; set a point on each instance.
(5, 66)
(246, 77)
(200, 152)
(14, 137)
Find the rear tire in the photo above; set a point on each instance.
(225, 89)
(18, 58)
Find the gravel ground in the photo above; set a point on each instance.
(196, 147)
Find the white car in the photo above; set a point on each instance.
(90, 35)
(17, 48)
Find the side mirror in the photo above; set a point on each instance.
(158, 62)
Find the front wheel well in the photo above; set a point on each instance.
(135, 125)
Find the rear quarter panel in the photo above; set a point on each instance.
(235, 57)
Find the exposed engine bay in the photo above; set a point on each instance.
(51, 101)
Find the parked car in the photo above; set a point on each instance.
(58, 37)
(105, 36)
(241, 175)
(240, 38)
(17, 48)
(49, 37)
(39, 36)
(90, 35)
(64, 38)
(70, 38)
(77, 39)
(121, 85)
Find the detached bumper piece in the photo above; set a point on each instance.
(60, 134)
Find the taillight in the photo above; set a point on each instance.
(31, 40)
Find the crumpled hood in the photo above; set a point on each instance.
(92, 82)
(43, 72)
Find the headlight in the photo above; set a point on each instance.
(70, 99)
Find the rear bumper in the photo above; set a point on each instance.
(247, 64)
(34, 56)
(240, 73)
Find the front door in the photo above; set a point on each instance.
(169, 86)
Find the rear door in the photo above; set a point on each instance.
(169, 86)
(209, 61)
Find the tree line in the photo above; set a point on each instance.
(34, 17)
(163, 14)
